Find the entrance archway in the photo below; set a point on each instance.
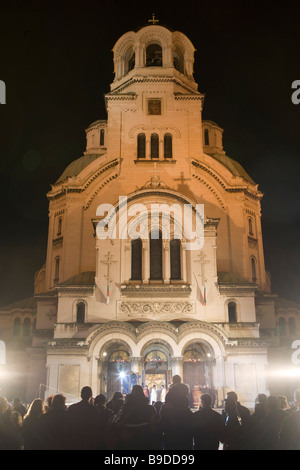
(197, 371)
(118, 372)
(156, 371)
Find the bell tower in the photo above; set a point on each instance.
(154, 93)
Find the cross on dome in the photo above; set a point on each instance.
(153, 20)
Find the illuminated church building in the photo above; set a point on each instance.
(120, 310)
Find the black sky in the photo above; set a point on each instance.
(56, 61)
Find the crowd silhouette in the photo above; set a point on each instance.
(132, 423)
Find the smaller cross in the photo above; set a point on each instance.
(153, 21)
(203, 261)
(108, 262)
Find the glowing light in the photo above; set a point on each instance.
(105, 354)
(285, 373)
(122, 375)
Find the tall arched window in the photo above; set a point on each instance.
(26, 327)
(141, 146)
(102, 137)
(282, 326)
(232, 313)
(206, 137)
(59, 226)
(154, 146)
(136, 259)
(250, 223)
(56, 270)
(17, 327)
(155, 254)
(154, 56)
(80, 312)
(175, 259)
(253, 269)
(168, 147)
(178, 60)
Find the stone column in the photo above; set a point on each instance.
(177, 366)
(136, 368)
(161, 148)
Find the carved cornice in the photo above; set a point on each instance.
(148, 308)
(212, 190)
(135, 80)
(65, 190)
(257, 195)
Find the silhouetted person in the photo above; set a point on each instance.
(283, 403)
(53, 424)
(176, 422)
(115, 403)
(252, 438)
(272, 424)
(208, 426)
(81, 429)
(135, 423)
(15, 441)
(178, 387)
(4, 423)
(18, 406)
(262, 399)
(243, 411)
(233, 425)
(289, 436)
(104, 415)
(31, 429)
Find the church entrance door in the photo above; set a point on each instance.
(197, 373)
(156, 375)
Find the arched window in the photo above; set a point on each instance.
(80, 312)
(282, 326)
(56, 270)
(59, 226)
(26, 327)
(154, 146)
(175, 259)
(168, 150)
(101, 137)
(206, 137)
(232, 313)
(253, 269)
(141, 146)
(17, 327)
(178, 60)
(136, 259)
(154, 56)
(250, 223)
(155, 255)
(292, 326)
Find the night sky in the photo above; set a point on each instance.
(56, 61)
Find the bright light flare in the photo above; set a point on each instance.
(290, 372)
(122, 375)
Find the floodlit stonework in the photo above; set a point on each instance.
(152, 308)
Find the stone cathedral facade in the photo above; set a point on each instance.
(116, 310)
